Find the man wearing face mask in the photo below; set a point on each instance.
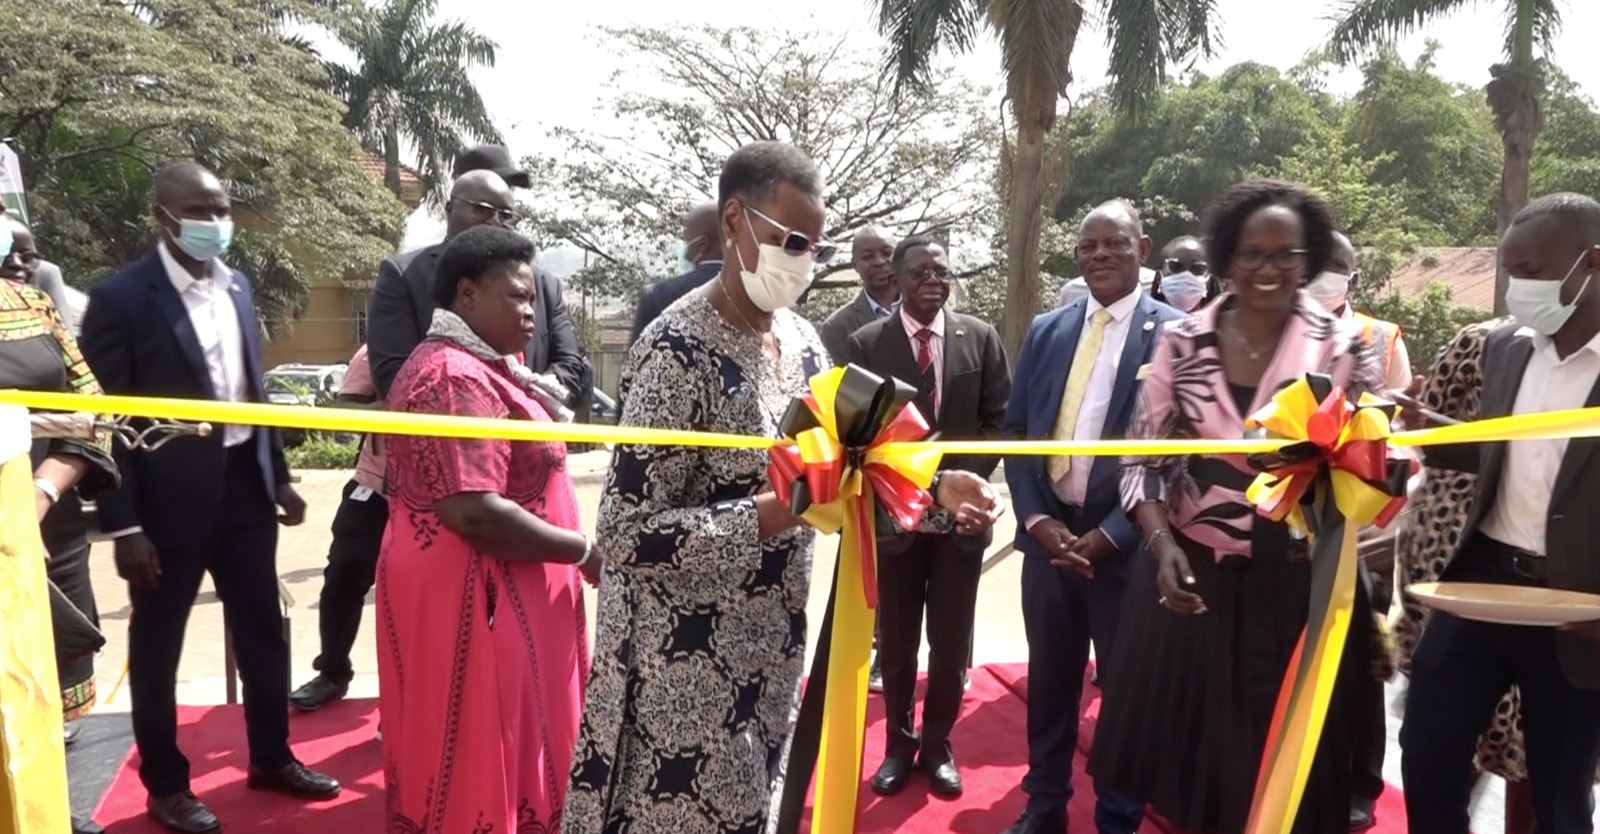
(870, 252)
(699, 260)
(1332, 290)
(1183, 283)
(702, 629)
(180, 323)
(1532, 525)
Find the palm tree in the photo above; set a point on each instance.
(411, 85)
(1514, 86)
(1036, 42)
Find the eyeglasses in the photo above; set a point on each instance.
(930, 273)
(1283, 259)
(504, 215)
(797, 243)
(1197, 269)
(1117, 245)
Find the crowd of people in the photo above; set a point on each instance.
(496, 715)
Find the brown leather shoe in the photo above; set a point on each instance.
(293, 779)
(183, 813)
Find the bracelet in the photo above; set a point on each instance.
(588, 549)
(49, 489)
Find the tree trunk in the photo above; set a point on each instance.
(1024, 220)
(1513, 94)
(391, 161)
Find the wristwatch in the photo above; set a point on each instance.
(49, 489)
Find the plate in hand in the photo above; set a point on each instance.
(1509, 604)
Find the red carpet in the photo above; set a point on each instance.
(990, 742)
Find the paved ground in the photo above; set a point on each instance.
(302, 553)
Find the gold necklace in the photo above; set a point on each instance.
(1253, 351)
(774, 351)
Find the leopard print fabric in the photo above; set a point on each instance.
(1430, 531)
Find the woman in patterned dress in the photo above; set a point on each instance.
(1428, 535)
(481, 642)
(1218, 600)
(38, 354)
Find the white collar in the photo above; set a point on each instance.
(1120, 309)
(1543, 342)
(221, 277)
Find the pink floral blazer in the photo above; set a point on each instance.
(1185, 394)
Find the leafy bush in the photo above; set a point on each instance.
(323, 451)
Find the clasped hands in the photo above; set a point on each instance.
(1078, 554)
(972, 499)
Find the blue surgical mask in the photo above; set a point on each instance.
(6, 238)
(1537, 304)
(1183, 290)
(203, 240)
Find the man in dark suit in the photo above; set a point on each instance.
(1532, 524)
(402, 302)
(959, 367)
(1076, 379)
(871, 251)
(181, 324)
(702, 261)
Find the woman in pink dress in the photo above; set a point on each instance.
(482, 650)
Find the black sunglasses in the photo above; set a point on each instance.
(1174, 266)
(504, 215)
(797, 243)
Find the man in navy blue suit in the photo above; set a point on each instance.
(179, 323)
(1075, 380)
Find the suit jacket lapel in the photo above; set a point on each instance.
(957, 340)
(177, 316)
(1066, 348)
(1579, 451)
(1501, 379)
(249, 335)
(1135, 347)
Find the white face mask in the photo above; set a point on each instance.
(1537, 304)
(1330, 289)
(1183, 290)
(779, 279)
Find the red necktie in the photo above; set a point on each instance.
(930, 381)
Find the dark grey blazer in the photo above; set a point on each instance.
(836, 329)
(402, 308)
(1572, 531)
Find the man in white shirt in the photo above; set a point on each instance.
(1076, 379)
(1532, 525)
(181, 324)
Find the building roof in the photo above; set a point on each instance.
(410, 180)
(1467, 271)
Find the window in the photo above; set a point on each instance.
(358, 318)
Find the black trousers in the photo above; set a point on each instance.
(1459, 671)
(1370, 730)
(939, 574)
(238, 547)
(352, 567)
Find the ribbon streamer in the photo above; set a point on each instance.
(834, 474)
(1338, 463)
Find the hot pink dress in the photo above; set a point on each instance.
(481, 662)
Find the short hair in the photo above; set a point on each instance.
(754, 171)
(1227, 215)
(1180, 240)
(1579, 213)
(473, 254)
(902, 250)
(1123, 206)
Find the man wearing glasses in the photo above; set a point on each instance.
(959, 368)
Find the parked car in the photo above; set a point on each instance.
(298, 384)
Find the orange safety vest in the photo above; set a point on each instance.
(1372, 329)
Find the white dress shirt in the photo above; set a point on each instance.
(216, 326)
(1522, 503)
(1074, 488)
(935, 347)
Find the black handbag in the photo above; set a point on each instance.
(75, 635)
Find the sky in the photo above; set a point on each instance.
(554, 70)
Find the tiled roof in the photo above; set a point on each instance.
(1468, 271)
(410, 181)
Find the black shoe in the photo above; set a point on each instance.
(85, 826)
(943, 777)
(1362, 814)
(1055, 823)
(70, 732)
(183, 813)
(293, 779)
(317, 693)
(892, 775)
(875, 676)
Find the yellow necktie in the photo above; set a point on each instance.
(1077, 385)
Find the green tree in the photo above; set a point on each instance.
(1037, 38)
(1513, 91)
(106, 93)
(410, 87)
(690, 97)
(1428, 321)
(1568, 155)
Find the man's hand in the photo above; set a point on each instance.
(1589, 629)
(1094, 547)
(293, 506)
(1058, 541)
(972, 499)
(136, 561)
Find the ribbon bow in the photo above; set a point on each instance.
(1339, 466)
(832, 476)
